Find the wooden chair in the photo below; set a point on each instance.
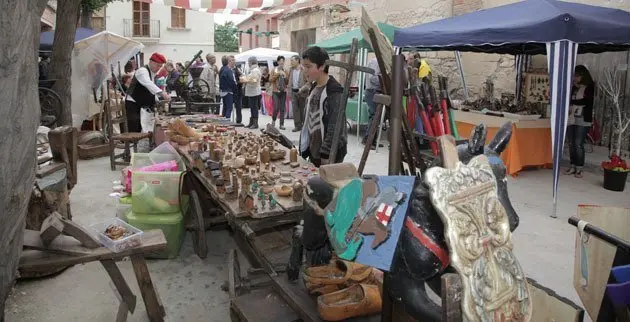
(116, 114)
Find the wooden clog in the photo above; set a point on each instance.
(356, 300)
(337, 275)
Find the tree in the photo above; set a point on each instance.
(225, 39)
(19, 118)
(61, 56)
(87, 8)
(611, 85)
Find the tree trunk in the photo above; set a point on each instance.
(86, 19)
(61, 57)
(19, 118)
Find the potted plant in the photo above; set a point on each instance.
(615, 170)
(615, 173)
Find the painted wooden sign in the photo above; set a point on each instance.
(365, 219)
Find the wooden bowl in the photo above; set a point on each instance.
(284, 190)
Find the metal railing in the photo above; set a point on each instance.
(150, 29)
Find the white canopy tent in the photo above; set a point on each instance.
(263, 55)
(91, 60)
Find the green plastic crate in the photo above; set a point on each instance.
(171, 224)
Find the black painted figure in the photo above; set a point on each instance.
(421, 255)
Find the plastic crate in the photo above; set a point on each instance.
(141, 160)
(165, 149)
(155, 192)
(172, 225)
(119, 245)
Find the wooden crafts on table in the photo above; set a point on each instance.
(247, 169)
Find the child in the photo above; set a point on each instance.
(322, 111)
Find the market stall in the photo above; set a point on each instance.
(556, 28)
(530, 145)
(92, 61)
(258, 194)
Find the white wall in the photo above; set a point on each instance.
(178, 45)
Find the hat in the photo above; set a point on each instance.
(158, 58)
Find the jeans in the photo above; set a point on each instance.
(254, 105)
(238, 106)
(369, 99)
(577, 135)
(279, 106)
(298, 103)
(228, 102)
(134, 125)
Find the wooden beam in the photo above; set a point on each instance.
(152, 300)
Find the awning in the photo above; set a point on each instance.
(341, 43)
(556, 28)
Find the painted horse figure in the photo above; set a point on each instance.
(421, 256)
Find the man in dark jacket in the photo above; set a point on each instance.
(238, 94)
(322, 111)
(227, 87)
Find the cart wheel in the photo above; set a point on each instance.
(234, 273)
(50, 105)
(198, 234)
(198, 88)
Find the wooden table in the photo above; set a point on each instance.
(65, 250)
(266, 242)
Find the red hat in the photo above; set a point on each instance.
(158, 58)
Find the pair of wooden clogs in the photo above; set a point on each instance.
(344, 289)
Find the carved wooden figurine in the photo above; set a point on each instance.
(293, 155)
(264, 155)
(298, 190)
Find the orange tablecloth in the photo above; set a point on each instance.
(528, 147)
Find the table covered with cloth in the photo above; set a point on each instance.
(530, 145)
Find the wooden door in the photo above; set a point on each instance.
(141, 19)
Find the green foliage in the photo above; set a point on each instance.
(93, 5)
(225, 37)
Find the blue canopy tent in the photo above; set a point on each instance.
(47, 38)
(531, 27)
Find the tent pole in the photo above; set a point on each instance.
(461, 74)
(561, 63)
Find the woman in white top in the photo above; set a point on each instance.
(252, 91)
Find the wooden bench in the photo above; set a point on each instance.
(64, 251)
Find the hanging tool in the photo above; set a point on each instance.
(444, 106)
(423, 103)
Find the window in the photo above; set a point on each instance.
(98, 23)
(141, 19)
(178, 17)
(255, 35)
(268, 30)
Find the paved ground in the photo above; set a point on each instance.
(190, 287)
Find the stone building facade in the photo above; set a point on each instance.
(258, 22)
(330, 18)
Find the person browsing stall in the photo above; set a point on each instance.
(140, 99)
(252, 90)
(297, 79)
(322, 111)
(580, 118)
(279, 79)
(227, 87)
